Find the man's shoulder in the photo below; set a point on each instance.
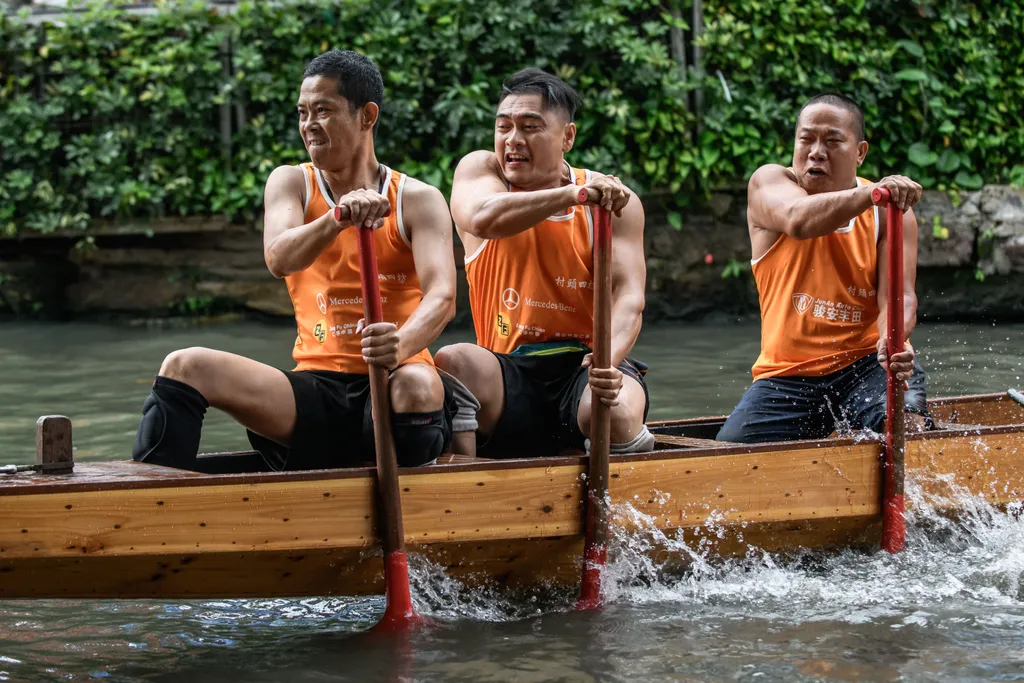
(480, 162)
(770, 174)
(417, 190)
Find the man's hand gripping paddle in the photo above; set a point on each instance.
(894, 529)
(595, 549)
(398, 612)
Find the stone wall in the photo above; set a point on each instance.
(971, 256)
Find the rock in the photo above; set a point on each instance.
(1013, 250)
(720, 204)
(1002, 200)
(956, 248)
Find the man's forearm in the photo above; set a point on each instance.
(425, 324)
(822, 214)
(508, 213)
(296, 249)
(909, 316)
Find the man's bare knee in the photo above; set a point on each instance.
(457, 360)
(479, 371)
(627, 417)
(626, 422)
(416, 388)
(186, 365)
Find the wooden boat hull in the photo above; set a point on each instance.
(128, 530)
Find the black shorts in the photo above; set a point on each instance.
(333, 423)
(542, 399)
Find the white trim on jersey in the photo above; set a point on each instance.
(588, 211)
(479, 250)
(398, 212)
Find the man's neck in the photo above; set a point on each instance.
(359, 172)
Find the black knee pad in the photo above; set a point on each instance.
(420, 437)
(171, 425)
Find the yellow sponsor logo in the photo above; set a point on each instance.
(320, 330)
(503, 325)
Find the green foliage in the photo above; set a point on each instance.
(735, 269)
(110, 114)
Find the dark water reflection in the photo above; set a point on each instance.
(950, 608)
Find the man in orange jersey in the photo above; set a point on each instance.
(529, 262)
(819, 255)
(318, 415)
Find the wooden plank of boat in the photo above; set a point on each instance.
(123, 529)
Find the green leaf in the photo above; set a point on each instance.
(949, 161)
(675, 219)
(915, 75)
(911, 47)
(971, 181)
(920, 155)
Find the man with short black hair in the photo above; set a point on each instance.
(819, 253)
(318, 415)
(529, 262)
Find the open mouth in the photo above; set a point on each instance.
(514, 160)
(816, 173)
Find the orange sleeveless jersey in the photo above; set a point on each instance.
(536, 286)
(327, 296)
(819, 306)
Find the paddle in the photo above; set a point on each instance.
(595, 549)
(398, 611)
(893, 526)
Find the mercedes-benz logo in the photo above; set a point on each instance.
(321, 303)
(510, 298)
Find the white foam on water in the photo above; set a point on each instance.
(975, 557)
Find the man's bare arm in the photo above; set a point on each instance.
(483, 206)
(429, 225)
(290, 244)
(778, 204)
(629, 277)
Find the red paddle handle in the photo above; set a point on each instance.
(893, 506)
(370, 277)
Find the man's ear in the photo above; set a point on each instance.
(568, 137)
(369, 115)
(862, 151)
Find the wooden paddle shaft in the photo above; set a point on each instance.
(600, 413)
(893, 524)
(391, 530)
(597, 504)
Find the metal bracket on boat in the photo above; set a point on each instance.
(49, 467)
(1016, 396)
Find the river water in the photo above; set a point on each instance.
(951, 607)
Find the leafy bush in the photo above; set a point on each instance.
(186, 111)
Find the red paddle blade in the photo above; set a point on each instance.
(595, 557)
(399, 614)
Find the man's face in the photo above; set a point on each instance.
(530, 141)
(329, 126)
(827, 153)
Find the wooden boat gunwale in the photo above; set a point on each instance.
(188, 478)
